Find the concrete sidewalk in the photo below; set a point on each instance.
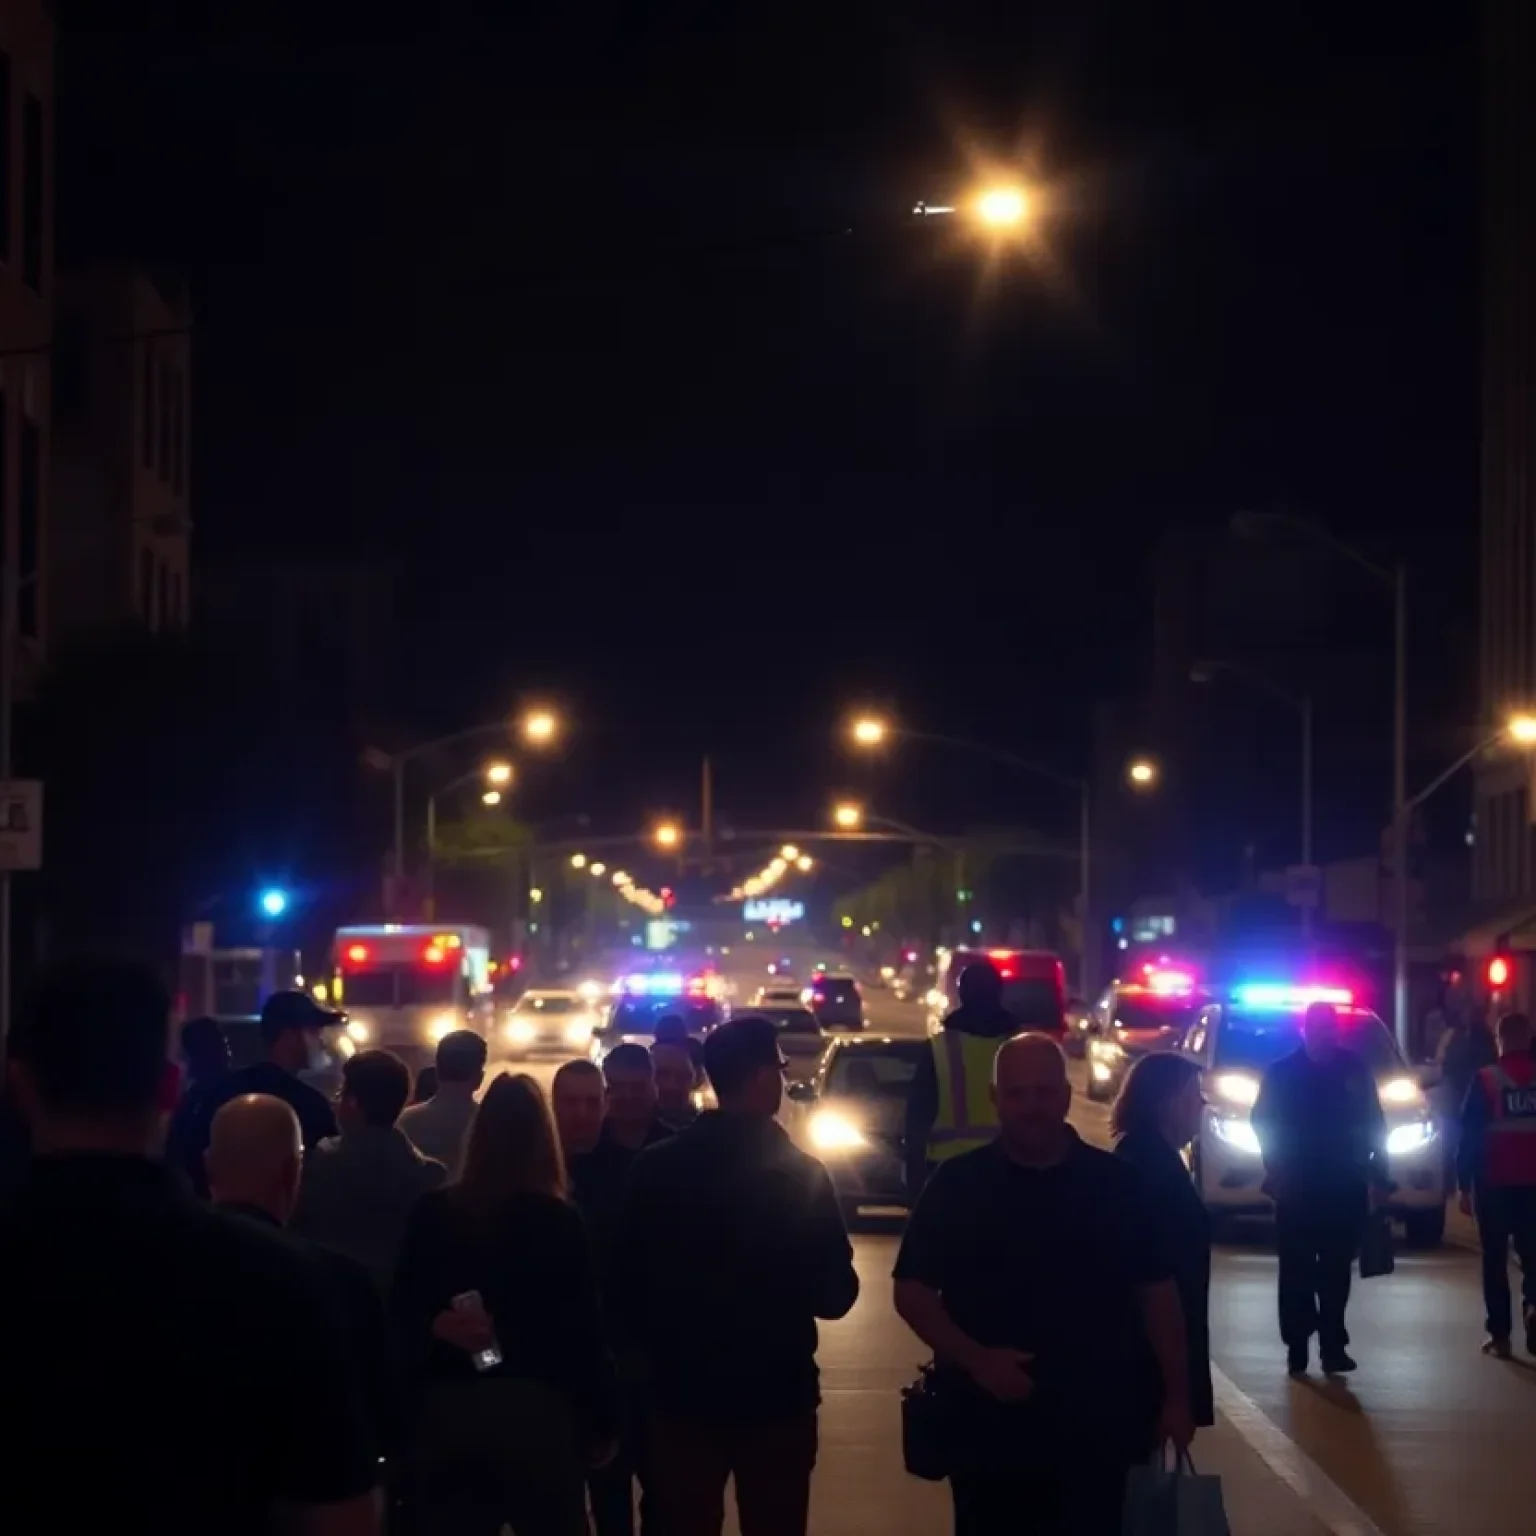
(861, 1486)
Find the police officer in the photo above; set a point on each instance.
(1496, 1169)
(949, 1105)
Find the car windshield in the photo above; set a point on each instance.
(1258, 1040)
(639, 1015)
(883, 1073)
(1148, 1016)
(547, 1005)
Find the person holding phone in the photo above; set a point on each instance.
(495, 1305)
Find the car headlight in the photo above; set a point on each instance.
(1238, 1133)
(443, 1025)
(1236, 1088)
(832, 1132)
(579, 1030)
(519, 1032)
(1403, 1140)
(1400, 1091)
(359, 1031)
(1100, 1070)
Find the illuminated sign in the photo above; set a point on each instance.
(774, 910)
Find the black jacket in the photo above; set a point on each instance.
(923, 1094)
(1321, 1127)
(730, 1246)
(1184, 1228)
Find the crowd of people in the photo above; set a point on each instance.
(231, 1305)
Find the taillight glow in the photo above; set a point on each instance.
(433, 954)
(357, 954)
(1498, 971)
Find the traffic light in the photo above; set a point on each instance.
(273, 902)
(1499, 971)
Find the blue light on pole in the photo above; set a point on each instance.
(273, 902)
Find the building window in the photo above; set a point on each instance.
(5, 157)
(167, 384)
(147, 424)
(33, 207)
(178, 431)
(147, 587)
(29, 516)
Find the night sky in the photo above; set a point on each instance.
(609, 321)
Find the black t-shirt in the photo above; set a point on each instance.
(1046, 1260)
(317, 1119)
(174, 1370)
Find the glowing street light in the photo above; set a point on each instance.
(621, 879)
(1142, 771)
(848, 816)
(1002, 207)
(1522, 730)
(540, 726)
(597, 871)
(578, 861)
(805, 863)
(498, 774)
(869, 731)
(789, 853)
(535, 896)
(667, 835)
(491, 797)
(273, 902)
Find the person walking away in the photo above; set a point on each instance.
(496, 1309)
(949, 1103)
(171, 1325)
(255, 1165)
(360, 1186)
(1157, 1115)
(1319, 1122)
(1032, 1269)
(205, 1056)
(731, 1245)
(630, 1120)
(1465, 1048)
(676, 1081)
(1496, 1171)
(438, 1126)
(290, 1026)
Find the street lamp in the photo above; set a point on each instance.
(578, 861)
(848, 817)
(499, 775)
(1395, 580)
(805, 863)
(789, 853)
(597, 871)
(668, 835)
(273, 902)
(1002, 207)
(869, 731)
(540, 726)
(491, 797)
(1142, 772)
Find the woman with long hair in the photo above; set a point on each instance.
(496, 1308)
(1155, 1117)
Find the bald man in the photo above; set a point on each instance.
(1031, 1269)
(255, 1165)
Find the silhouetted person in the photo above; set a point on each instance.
(676, 1080)
(1318, 1119)
(631, 1121)
(171, 1326)
(949, 1103)
(205, 1056)
(438, 1127)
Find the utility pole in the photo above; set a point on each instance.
(707, 809)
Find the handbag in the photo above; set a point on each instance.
(925, 1427)
(1376, 1255)
(1173, 1501)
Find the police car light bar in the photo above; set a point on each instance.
(1166, 983)
(655, 984)
(1271, 994)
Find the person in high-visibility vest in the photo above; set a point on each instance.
(1496, 1169)
(949, 1105)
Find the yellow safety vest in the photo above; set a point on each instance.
(967, 1118)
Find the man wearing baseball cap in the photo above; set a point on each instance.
(290, 1022)
(730, 1246)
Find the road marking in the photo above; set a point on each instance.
(1323, 1497)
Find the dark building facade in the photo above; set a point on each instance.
(1504, 861)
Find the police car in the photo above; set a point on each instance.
(1134, 1018)
(1237, 1039)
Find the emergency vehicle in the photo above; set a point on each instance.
(404, 986)
(1149, 1012)
(1034, 986)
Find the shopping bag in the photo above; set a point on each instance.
(1173, 1501)
(925, 1431)
(1376, 1256)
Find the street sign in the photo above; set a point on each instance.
(21, 825)
(1304, 885)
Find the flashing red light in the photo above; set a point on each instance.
(433, 954)
(910, 957)
(697, 985)
(1169, 983)
(515, 963)
(1006, 972)
(818, 997)
(357, 954)
(1498, 971)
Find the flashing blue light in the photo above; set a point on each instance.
(1277, 994)
(273, 903)
(655, 983)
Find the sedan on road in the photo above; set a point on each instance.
(852, 1115)
(544, 1020)
(836, 1001)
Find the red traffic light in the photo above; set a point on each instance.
(1499, 971)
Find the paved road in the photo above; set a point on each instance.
(1427, 1439)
